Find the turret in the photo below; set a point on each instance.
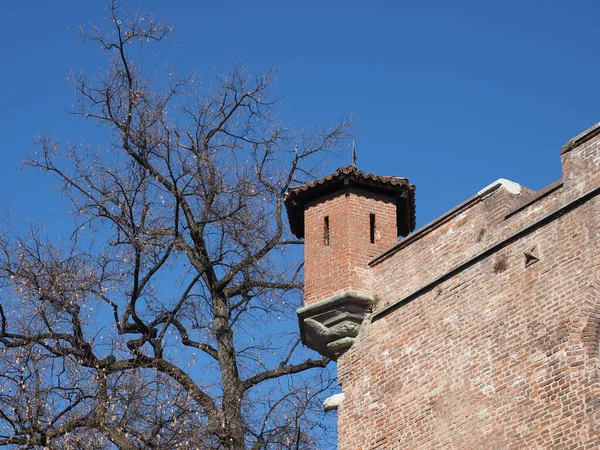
(346, 219)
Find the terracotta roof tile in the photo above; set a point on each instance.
(397, 187)
(349, 170)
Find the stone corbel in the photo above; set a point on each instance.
(330, 326)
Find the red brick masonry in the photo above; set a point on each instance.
(472, 345)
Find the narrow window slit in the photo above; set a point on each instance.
(372, 228)
(326, 231)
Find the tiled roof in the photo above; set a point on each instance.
(396, 187)
(349, 170)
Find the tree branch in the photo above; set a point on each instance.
(284, 370)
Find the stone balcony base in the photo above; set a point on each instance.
(330, 326)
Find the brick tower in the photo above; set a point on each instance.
(346, 219)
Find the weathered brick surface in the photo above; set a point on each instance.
(343, 264)
(482, 352)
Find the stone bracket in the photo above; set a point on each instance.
(330, 326)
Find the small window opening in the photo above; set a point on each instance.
(326, 231)
(372, 228)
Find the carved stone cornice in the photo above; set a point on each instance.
(330, 326)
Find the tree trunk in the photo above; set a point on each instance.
(232, 435)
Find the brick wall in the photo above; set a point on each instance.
(469, 347)
(343, 264)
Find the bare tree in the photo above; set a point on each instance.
(158, 324)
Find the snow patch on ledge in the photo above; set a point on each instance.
(510, 186)
(333, 402)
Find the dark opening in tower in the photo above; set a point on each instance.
(372, 228)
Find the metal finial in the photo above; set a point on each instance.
(353, 154)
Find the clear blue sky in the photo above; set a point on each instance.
(452, 95)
